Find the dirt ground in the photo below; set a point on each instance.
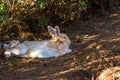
(95, 44)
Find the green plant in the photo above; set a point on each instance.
(3, 8)
(22, 39)
(41, 3)
(83, 4)
(64, 11)
(34, 15)
(3, 13)
(3, 20)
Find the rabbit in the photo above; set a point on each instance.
(58, 45)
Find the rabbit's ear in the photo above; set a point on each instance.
(51, 30)
(57, 31)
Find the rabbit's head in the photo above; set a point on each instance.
(61, 41)
(57, 36)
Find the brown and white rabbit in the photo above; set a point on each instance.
(58, 45)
